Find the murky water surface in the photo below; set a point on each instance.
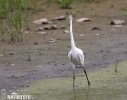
(105, 85)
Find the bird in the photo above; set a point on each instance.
(75, 55)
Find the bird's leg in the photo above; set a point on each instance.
(73, 78)
(86, 76)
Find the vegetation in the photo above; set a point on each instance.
(65, 3)
(11, 18)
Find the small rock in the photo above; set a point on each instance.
(39, 66)
(46, 27)
(41, 21)
(51, 27)
(84, 20)
(12, 77)
(97, 34)
(62, 27)
(117, 22)
(54, 27)
(42, 32)
(59, 18)
(35, 43)
(12, 64)
(81, 35)
(95, 28)
(52, 41)
(66, 31)
(10, 53)
(40, 29)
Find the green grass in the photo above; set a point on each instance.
(66, 4)
(105, 85)
(11, 14)
(14, 15)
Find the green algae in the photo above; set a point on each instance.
(106, 84)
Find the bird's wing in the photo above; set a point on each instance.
(81, 58)
(70, 56)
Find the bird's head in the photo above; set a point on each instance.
(70, 16)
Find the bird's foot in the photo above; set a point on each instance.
(89, 84)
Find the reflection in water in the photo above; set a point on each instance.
(87, 93)
(81, 94)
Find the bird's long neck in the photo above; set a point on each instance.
(71, 35)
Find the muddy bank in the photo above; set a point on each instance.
(35, 58)
(48, 60)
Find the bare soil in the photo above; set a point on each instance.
(49, 60)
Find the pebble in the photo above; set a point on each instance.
(59, 18)
(52, 41)
(41, 21)
(84, 20)
(117, 22)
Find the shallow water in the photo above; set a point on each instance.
(105, 85)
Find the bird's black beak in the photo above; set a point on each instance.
(67, 13)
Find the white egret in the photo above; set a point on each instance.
(75, 55)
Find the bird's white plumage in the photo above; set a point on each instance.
(76, 56)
